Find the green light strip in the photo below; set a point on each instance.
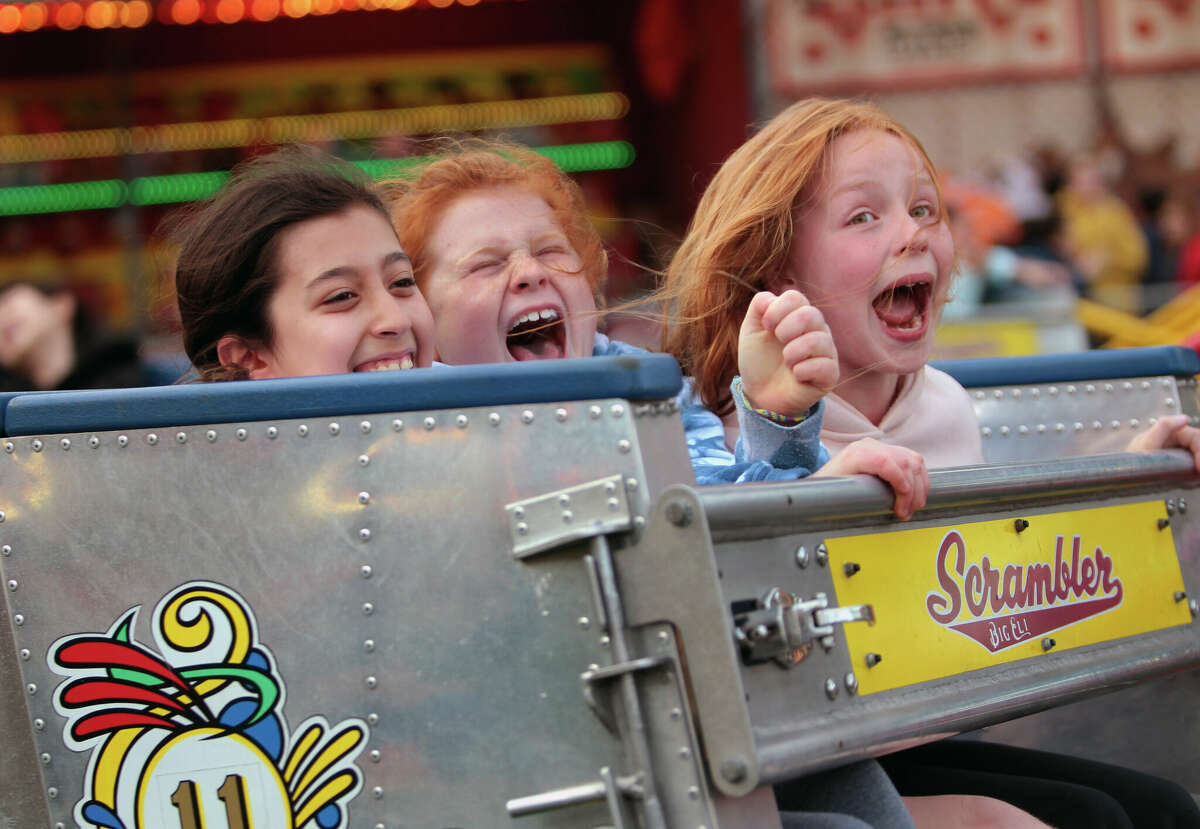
(185, 187)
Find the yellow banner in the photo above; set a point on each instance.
(958, 597)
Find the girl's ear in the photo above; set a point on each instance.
(235, 352)
(782, 281)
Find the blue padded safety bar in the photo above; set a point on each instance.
(640, 377)
(1155, 361)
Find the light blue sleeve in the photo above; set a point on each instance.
(784, 447)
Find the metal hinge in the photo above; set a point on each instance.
(784, 627)
(566, 515)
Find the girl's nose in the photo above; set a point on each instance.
(527, 273)
(388, 317)
(913, 237)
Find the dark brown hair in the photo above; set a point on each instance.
(225, 272)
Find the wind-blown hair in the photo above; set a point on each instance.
(740, 237)
(226, 273)
(419, 199)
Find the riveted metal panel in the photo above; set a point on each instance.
(372, 555)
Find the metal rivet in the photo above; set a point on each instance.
(25, 654)
(1022, 429)
(564, 500)
(1053, 391)
(364, 460)
(631, 484)
(851, 683)
(272, 432)
(366, 571)
(45, 759)
(584, 623)
(1020, 525)
(12, 585)
(372, 682)
(1016, 393)
(694, 792)
(1078, 426)
(302, 430)
(1070, 389)
(1041, 428)
(567, 516)
(664, 637)
(365, 427)
(52, 792)
(594, 412)
(1193, 607)
(522, 528)
(397, 425)
(1060, 427)
(39, 724)
(873, 659)
(831, 688)
(979, 395)
(494, 418)
(372, 718)
(1170, 506)
(639, 521)
(822, 555)
(93, 441)
(679, 513)
(369, 646)
(210, 436)
(1, 516)
(1035, 392)
(8, 446)
(335, 429)
(31, 688)
(1182, 505)
(364, 497)
(685, 753)
(379, 826)
(152, 439)
(1127, 385)
(1097, 425)
(375, 755)
(19, 619)
(1163, 523)
(560, 415)
(801, 556)
(377, 792)
(1089, 388)
(1152, 421)
(998, 394)
(37, 446)
(676, 713)
(1166, 382)
(240, 434)
(1145, 384)
(65, 443)
(429, 423)
(1179, 596)
(368, 608)
(1116, 424)
(6, 549)
(461, 421)
(986, 431)
(527, 417)
(518, 512)
(1134, 422)
(734, 769)
(850, 568)
(605, 641)
(1169, 402)
(1004, 430)
(623, 446)
(617, 410)
(1048, 643)
(364, 534)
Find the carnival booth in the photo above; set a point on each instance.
(493, 596)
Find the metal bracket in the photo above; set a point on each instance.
(609, 788)
(591, 679)
(545, 522)
(785, 626)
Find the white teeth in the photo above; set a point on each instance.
(394, 365)
(547, 314)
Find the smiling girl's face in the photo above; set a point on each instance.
(505, 283)
(345, 300)
(872, 251)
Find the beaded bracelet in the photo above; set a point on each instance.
(774, 417)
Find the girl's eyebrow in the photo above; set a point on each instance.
(340, 271)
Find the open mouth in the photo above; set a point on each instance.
(537, 335)
(904, 308)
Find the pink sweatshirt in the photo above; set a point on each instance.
(933, 415)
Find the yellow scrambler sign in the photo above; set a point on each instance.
(964, 596)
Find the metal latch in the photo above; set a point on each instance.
(783, 627)
(573, 514)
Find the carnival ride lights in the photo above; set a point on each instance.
(133, 14)
(284, 129)
(184, 187)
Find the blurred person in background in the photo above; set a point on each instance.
(1101, 236)
(48, 342)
